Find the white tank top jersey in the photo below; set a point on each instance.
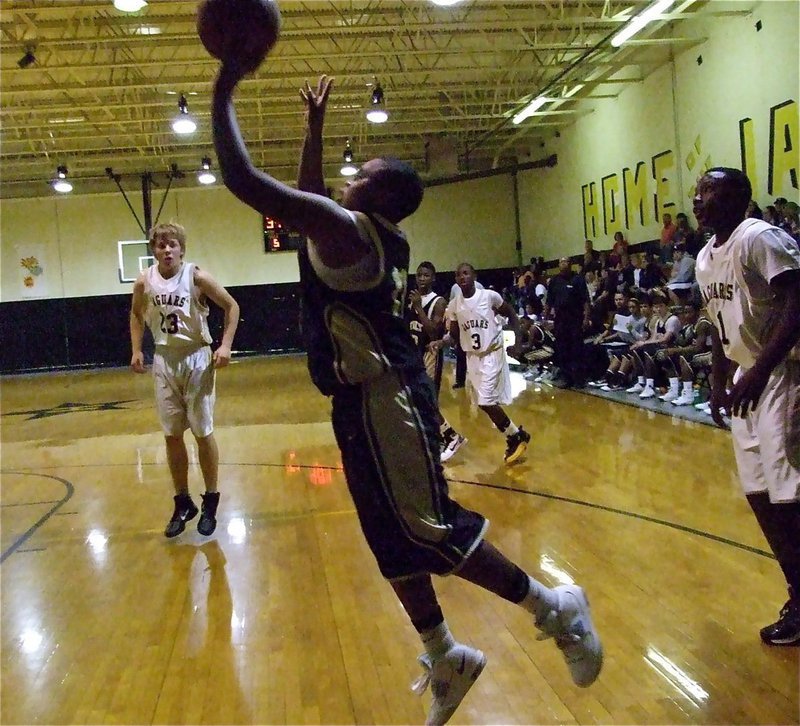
(479, 329)
(734, 281)
(177, 313)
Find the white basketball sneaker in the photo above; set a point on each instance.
(453, 445)
(635, 388)
(571, 626)
(670, 395)
(647, 392)
(450, 676)
(685, 399)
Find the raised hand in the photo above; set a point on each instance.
(316, 100)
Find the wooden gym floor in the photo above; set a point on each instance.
(281, 616)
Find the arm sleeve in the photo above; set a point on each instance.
(495, 299)
(770, 253)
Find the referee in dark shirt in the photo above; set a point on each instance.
(568, 297)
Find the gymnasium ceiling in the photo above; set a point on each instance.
(105, 85)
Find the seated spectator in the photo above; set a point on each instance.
(664, 328)
(627, 330)
(620, 244)
(532, 310)
(539, 284)
(624, 270)
(523, 277)
(693, 339)
(682, 278)
(591, 258)
(602, 304)
(539, 344)
(771, 216)
(592, 284)
(617, 321)
(791, 220)
(754, 211)
(537, 265)
(632, 274)
(667, 241)
(684, 234)
(652, 278)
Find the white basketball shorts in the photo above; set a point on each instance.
(488, 378)
(185, 394)
(767, 441)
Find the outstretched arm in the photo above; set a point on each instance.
(310, 177)
(313, 215)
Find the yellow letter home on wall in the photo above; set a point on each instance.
(783, 151)
(663, 163)
(590, 210)
(612, 219)
(634, 184)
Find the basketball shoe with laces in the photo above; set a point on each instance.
(571, 627)
(185, 510)
(451, 446)
(516, 445)
(208, 514)
(450, 676)
(786, 630)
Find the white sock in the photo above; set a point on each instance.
(510, 430)
(438, 640)
(688, 388)
(640, 380)
(650, 382)
(540, 600)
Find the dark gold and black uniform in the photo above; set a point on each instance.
(433, 361)
(384, 413)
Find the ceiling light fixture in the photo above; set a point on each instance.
(638, 22)
(129, 6)
(377, 110)
(205, 176)
(348, 169)
(530, 109)
(28, 59)
(60, 183)
(183, 123)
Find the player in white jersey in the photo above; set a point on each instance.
(749, 276)
(425, 317)
(472, 315)
(170, 297)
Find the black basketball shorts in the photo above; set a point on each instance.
(388, 435)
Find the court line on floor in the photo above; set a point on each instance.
(502, 487)
(32, 530)
(624, 513)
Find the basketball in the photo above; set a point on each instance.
(242, 31)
